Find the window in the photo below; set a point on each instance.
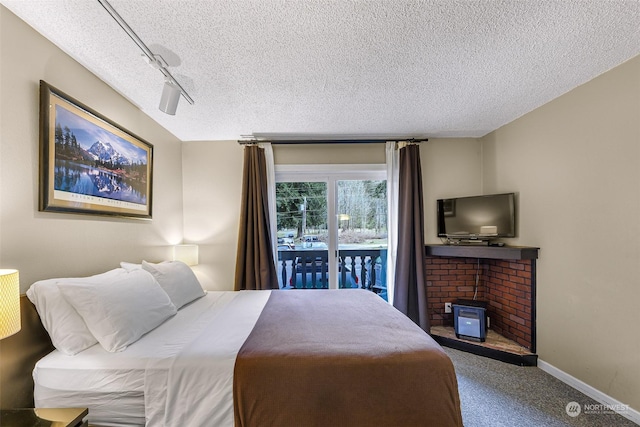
(332, 227)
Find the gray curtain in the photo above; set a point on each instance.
(410, 294)
(255, 268)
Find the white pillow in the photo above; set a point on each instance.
(68, 332)
(177, 279)
(119, 314)
(129, 266)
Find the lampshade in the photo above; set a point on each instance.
(186, 253)
(170, 97)
(9, 303)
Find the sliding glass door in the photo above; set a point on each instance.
(332, 227)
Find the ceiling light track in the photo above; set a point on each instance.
(155, 60)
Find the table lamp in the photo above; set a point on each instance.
(186, 253)
(9, 302)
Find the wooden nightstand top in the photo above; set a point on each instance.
(44, 417)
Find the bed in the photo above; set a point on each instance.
(248, 358)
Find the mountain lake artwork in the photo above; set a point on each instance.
(93, 165)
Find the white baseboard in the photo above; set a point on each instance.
(628, 412)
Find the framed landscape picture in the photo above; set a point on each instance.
(89, 164)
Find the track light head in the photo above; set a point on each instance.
(172, 89)
(170, 97)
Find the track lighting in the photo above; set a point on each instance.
(170, 97)
(172, 89)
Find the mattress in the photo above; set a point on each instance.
(112, 385)
(238, 354)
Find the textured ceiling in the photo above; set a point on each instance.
(419, 68)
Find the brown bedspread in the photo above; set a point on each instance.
(341, 358)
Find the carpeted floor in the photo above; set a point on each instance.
(496, 394)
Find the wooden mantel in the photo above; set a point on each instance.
(483, 251)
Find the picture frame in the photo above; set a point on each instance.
(88, 163)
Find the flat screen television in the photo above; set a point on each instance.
(485, 217)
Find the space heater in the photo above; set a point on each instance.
(470, 320)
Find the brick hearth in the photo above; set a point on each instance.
(508, 286)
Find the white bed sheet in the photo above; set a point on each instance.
(116, 387)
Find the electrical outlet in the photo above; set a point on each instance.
(447, 307)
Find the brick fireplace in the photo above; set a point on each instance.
(506, 281)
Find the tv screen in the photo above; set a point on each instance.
(477, 217)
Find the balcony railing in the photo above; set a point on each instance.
(357, 268)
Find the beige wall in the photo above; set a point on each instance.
(212, 174)
(576, 165)
(323, 154)
(43, 245)
(450, 168)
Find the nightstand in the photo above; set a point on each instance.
(44, 417)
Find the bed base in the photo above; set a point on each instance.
(18, 356)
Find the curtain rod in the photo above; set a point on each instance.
(329, 141)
